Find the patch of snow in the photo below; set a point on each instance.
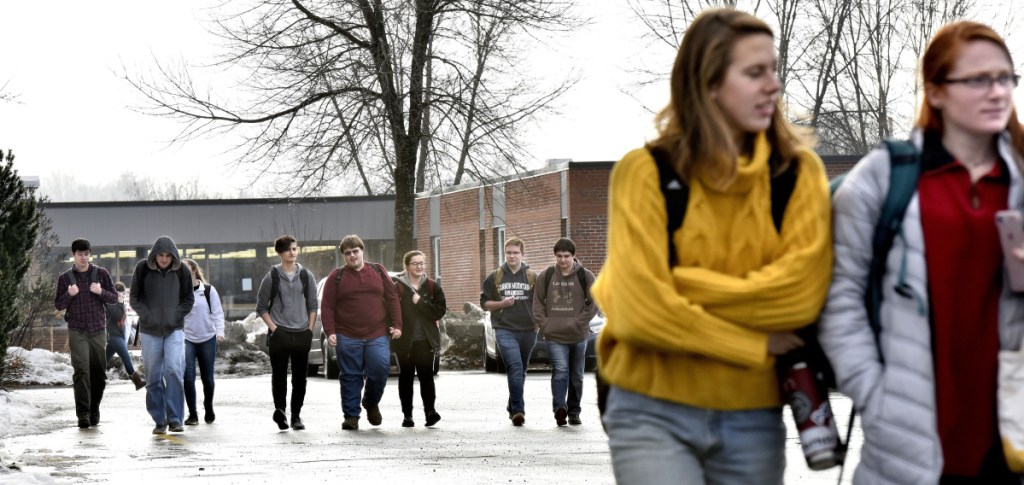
(16, 412)
(43, 367)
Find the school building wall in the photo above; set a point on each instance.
(464, 224)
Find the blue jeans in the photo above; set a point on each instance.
(359, 359)
(655, 441)
(117, 345)
(164, 359)
(515, 347)
(567, 363)
(206, 352)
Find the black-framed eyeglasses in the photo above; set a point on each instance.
(420, 263)
(985, 81)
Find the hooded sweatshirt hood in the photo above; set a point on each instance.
(164, 244)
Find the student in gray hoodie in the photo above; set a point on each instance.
(562, 310)
(161, 294)
(287, 303)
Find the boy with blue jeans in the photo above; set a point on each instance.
(359, 302)
(508, 294)
(562, 308)
(161, 293)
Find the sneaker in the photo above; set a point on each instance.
(432, 418)
(518, 419)
(282, 422)
(209, 416)
(351, 423)
(175, 427)
(373, 415)
(408, 422)
(192, 420)
(560, 415)
(574, 419)
(297, 423)
(160, 429)
(94, 418)
(83, 422)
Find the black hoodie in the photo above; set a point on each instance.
(162, 297)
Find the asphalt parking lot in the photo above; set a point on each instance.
(473, 443)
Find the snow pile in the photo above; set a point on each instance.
(15, 413)
(42, 367)
(243, 351)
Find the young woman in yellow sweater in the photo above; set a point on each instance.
(689, 349)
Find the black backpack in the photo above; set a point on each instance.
(206, 293)
(275, 281)
(94, 277)
(581, 274)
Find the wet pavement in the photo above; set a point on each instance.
(474, 442)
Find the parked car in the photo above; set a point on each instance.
(494, 363)
(323, 354)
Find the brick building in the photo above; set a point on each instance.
(462, 229)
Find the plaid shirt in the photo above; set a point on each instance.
(86, 310)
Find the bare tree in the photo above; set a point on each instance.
(847, 68)
(7, 96)
(64, 187)
(370, 96)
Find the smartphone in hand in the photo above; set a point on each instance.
(1011, 235)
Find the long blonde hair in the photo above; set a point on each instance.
(195, 269)
(693, 128)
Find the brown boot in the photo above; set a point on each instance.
(138, 380)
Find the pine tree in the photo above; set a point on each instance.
(20, 218)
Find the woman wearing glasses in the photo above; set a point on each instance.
(423, 305)
(927, 387)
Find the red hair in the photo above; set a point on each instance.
(942, 52)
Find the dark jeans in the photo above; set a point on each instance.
(567, 364)
(362, 359)
(419, 360)
(289, 346)
(206, 353)
(90, 375)
(515, 347)
(117, 345)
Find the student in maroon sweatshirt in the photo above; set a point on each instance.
(359, 305)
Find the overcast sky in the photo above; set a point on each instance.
(73, 113)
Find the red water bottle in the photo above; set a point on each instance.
(808, 399)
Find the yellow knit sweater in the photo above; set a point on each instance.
(697, 334)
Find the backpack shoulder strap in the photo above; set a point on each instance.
(531, 278)
(549, 273)
(275, 282)
(400, 288)
(306, 278)
(904, 160)
(782, 187)
(581, 274)
(206, 293)
(676, 194)
(499, 274)
(94, 275)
